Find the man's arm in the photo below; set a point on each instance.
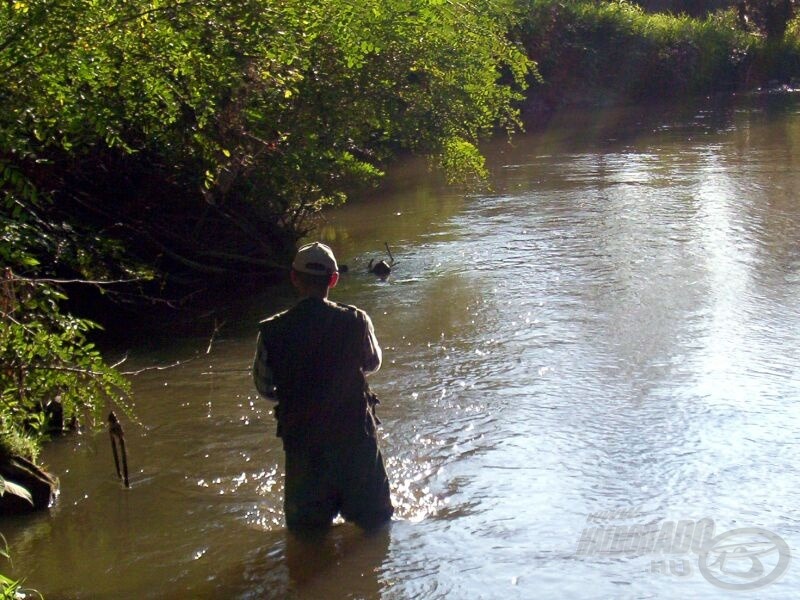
(372, 351)
(262, 374)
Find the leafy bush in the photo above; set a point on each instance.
(203, 134)
(45, 354)
(47, 357)
(593, 51)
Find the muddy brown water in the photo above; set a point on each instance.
(604, 344)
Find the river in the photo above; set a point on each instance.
(590, 371)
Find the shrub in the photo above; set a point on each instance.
(593, 50)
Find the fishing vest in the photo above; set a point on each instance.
(315, 352)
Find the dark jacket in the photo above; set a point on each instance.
(317, 354)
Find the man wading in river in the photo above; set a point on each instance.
(313, 359)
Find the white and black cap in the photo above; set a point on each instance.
(315, 259)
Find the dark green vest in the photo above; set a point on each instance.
(315, 352)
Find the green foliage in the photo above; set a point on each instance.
(15, 438)
(8, 586)
(179, 125)
(9, 487)
(46, 356)
(11, 589)
(461, 161)
(613, 51)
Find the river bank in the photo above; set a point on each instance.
(610, 54)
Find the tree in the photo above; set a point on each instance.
(202, 134)
(47, 359)
(771, 17)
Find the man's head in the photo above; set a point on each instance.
(314, 269)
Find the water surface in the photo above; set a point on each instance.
(614, 327)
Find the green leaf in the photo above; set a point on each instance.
(15, 489)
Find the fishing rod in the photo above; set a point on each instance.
(219, 371)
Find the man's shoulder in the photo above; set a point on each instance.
(350, 310)
(273, 320)
(303, 311)
(347, 307)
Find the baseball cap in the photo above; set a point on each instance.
(315, 259)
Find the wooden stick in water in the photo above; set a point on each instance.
(116, 433)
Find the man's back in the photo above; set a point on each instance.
(315, 351)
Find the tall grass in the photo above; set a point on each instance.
(590, 51)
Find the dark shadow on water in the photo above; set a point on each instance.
(346, 563)
(343, 563)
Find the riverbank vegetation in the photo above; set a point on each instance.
(11, 589)
(600, 53)
(152, 148)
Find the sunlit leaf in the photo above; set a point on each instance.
(10, 487)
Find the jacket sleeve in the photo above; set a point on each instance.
(372, 355)
(262, 374)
